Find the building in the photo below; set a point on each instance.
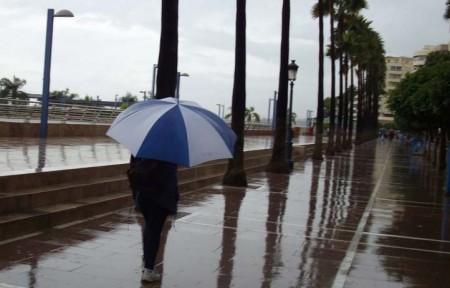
(421, 55)
(396, 70)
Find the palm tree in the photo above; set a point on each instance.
(278, 162)
(364, 48)
(328, 9)
(166, 80)
(11, 88)
(447, 10)
(235, 174)
(251, 115)
(345, 8)
(317, 154)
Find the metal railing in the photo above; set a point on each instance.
(31, 110)
(26, 109)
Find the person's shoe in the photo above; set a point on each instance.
(150, 275)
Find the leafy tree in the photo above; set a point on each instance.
(437, 57)
(62, 95)
(235, 174)
(278, 162)
(11, 88)
(422, 99)
(128, 100)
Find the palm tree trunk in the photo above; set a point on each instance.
(359, 117)
(331, 134)
(278, 163)
(168, 50)
(338, 146)
(352, 103)
(317, 154)
(346, 104)
(235, 174)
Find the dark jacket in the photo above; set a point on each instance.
(160, 183)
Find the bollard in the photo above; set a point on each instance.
(447, 187)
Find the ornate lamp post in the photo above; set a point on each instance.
(292, 76)
(48, 56)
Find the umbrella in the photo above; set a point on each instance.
(175, 131)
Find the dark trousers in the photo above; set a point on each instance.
(154, 216)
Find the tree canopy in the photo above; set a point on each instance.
(422, 99)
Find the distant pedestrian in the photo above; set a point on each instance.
(154, 185)
(391, 134)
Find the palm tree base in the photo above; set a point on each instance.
(236, 178)
(279, 167)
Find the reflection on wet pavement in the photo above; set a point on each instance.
(33, 154)
(372, 217)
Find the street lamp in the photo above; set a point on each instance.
(145, 94)
(179, 75)
(155, 66)
(221, 110)
(308, 117)
(292, 76)
(48, 55)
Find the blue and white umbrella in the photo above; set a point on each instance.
(175, 131)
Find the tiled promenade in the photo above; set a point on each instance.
(372, 217)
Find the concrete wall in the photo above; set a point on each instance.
(31, 129)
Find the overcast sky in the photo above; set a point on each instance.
(110, 46)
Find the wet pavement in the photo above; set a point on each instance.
(372, 217)
(26, 155)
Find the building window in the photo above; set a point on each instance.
(420, 58)
(394, 76)
(395, 68)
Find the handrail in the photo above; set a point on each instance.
(26, 109)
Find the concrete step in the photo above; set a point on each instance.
(17, 224)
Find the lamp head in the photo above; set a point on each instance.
(292, 71)
(63, 13)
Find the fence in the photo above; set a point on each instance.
(26, 109)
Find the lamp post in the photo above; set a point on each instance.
(274, 110)
(179, 75)
(155, 66)
(221, 110)
(145, 94)
(48, 55)
(308, 117)
(292, 76)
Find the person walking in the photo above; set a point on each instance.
(154, 185)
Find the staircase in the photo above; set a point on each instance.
(34, 202)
